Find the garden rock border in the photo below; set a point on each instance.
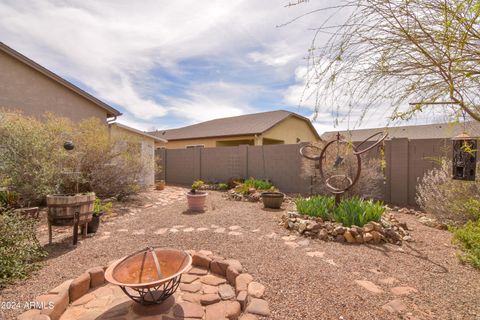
(234, 295)
(389, 229)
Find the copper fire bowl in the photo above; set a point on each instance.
(139, 270)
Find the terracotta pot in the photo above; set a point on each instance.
(196, 201)
(160, 185)
(272, 200)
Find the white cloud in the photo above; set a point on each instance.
(111, 47)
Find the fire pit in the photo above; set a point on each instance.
(151, 275)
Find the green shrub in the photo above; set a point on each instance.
(33, 161)
(99, 207)
(198, 184)
(19, 248)
(8, 200)
(356, 211)
(317, 206)
(261, 185)
(258, 184)
(468, 237)
(222, 186)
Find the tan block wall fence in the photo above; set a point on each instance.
(407, 161)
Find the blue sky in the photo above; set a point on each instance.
(167, 64)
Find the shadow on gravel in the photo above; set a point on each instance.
(413, 252)
(273, 210)
(61, 247)
(192, 213)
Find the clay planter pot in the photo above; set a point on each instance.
(93, 225)
(160, 185)
(272, 200)
(196, 201)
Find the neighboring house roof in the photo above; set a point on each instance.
(143, 133)
(428, 131)
(111, 112)
(249, 124)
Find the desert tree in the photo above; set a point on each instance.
(409, 54)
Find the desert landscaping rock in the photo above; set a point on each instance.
(388, 281)
(79, 286)
(201, 260)
(259, 307)
(226, 292)
(189, 278)
(209, 298)
(369, 286)
(212, 280)
(402, 291)
(232, 274)
(188, 310)
(242, 298)
(242, 281)
(191, 287)
(395, 306)
(209, 289)
(248, 317)
(198, 271)
(317, 254)
(97, 277)
(255, 289)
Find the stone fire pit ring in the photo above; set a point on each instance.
(149, 276)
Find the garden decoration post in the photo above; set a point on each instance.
(464, 160)
(70, 209)
(340, 163)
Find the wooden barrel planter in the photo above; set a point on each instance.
(62, 209)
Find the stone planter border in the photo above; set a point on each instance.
(248, 293)
(388, 229)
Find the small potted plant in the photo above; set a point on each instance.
(99, 209)
(196, 198)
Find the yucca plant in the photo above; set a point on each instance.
(356, 211)
(317, 206)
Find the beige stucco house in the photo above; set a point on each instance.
(27, 86)
(274, 127)
(146, 143)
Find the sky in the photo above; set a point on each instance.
(167, 64)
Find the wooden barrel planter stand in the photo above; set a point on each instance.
(70, 210)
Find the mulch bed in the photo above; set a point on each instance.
(298, 286)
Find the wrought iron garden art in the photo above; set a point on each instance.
(339, 161)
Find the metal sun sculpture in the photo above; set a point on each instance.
(340, 163)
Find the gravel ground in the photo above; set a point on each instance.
(298, 286)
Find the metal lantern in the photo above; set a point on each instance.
(464, 157)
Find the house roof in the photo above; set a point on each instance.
(143, 133)
(249, 124)
(428, 131)
(111, 112)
